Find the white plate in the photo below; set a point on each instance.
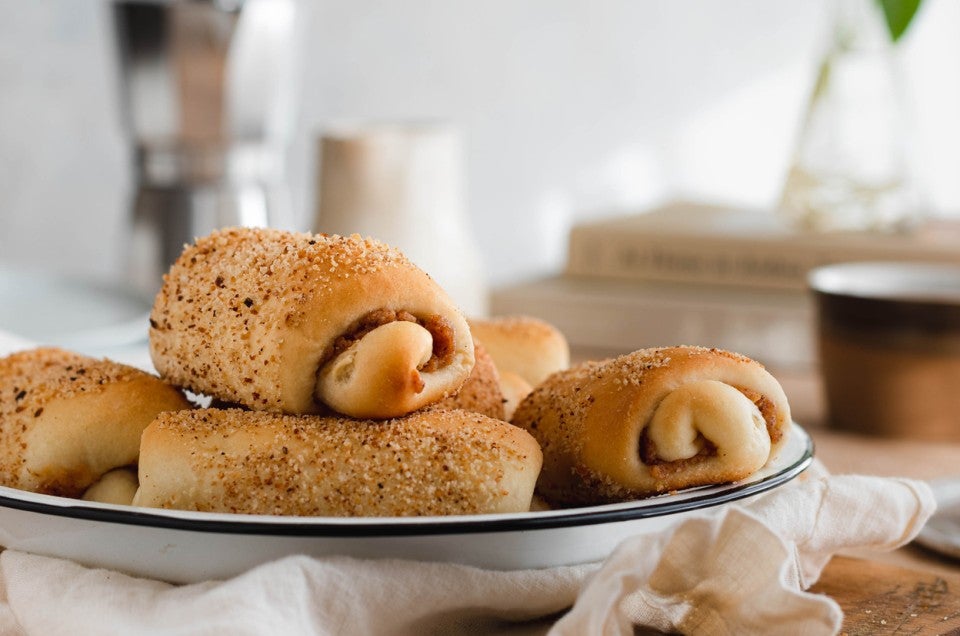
(942, 531)
(182, 547)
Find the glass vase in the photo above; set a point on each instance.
(850, 169)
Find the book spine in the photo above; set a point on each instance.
(690, 259)
(782, 263)
(615, 317)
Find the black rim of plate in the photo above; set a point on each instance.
(433, 526)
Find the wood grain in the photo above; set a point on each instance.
(878, 598)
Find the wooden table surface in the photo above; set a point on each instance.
(910, 590)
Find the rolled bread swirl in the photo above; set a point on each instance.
(67, 419)
(291, 322)
(653, 421)
(427, 463)
(523, 345)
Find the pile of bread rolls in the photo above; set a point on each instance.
(70, 425)
(344, 382)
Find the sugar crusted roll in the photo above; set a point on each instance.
(523, 345)
(294, 323)
(67, 419)
(482, 392)
(427, 463)
(653, 421)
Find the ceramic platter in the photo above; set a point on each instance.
(182, 547)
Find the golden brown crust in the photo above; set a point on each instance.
(427, 463)
(529, 347)
(66, 419)
(597, 421)
(251, 315)
(481, 392)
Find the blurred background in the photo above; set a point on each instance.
(507, 147)
(567, 111)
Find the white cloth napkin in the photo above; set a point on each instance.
(743, 571)
(739, 570)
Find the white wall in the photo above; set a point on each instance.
(569, 109)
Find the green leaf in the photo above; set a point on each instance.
(898, 14)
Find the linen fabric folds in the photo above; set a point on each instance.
(741, 569)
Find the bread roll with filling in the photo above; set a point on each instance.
(527, 346)
(481, 393)
(653, 421)
(66, 419)
(427, 463)
(298, 323)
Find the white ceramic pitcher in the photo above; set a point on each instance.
(403, 183)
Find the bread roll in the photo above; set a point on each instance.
(115, 487)
(514, 389)
(288, 322)
(66, 419)
(653, 421)
(526, 346)
(427, 463)
(481, 393)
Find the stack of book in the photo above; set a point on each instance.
(689, 273)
